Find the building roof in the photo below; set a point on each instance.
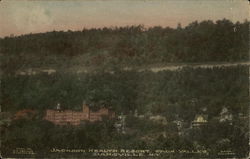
(200, 118)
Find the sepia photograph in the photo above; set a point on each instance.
(124, 79)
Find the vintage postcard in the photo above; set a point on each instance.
(124, 79)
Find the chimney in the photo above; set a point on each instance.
(58, 107)
(85, 107)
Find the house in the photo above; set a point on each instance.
(199, 120)
(159, 119)
(24, 114)
(137, 115)
(225, 115)
(179, 123)
(5, 119)
(64, 117)
(120, 123)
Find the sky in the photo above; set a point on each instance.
(34, 16)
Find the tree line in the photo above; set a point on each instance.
(204, 41)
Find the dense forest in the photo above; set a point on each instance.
(204, 41)
(129, 90)
(175, 95)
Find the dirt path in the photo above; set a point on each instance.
(178, 67)
(168, 67)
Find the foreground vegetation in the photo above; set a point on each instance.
(173, 94)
